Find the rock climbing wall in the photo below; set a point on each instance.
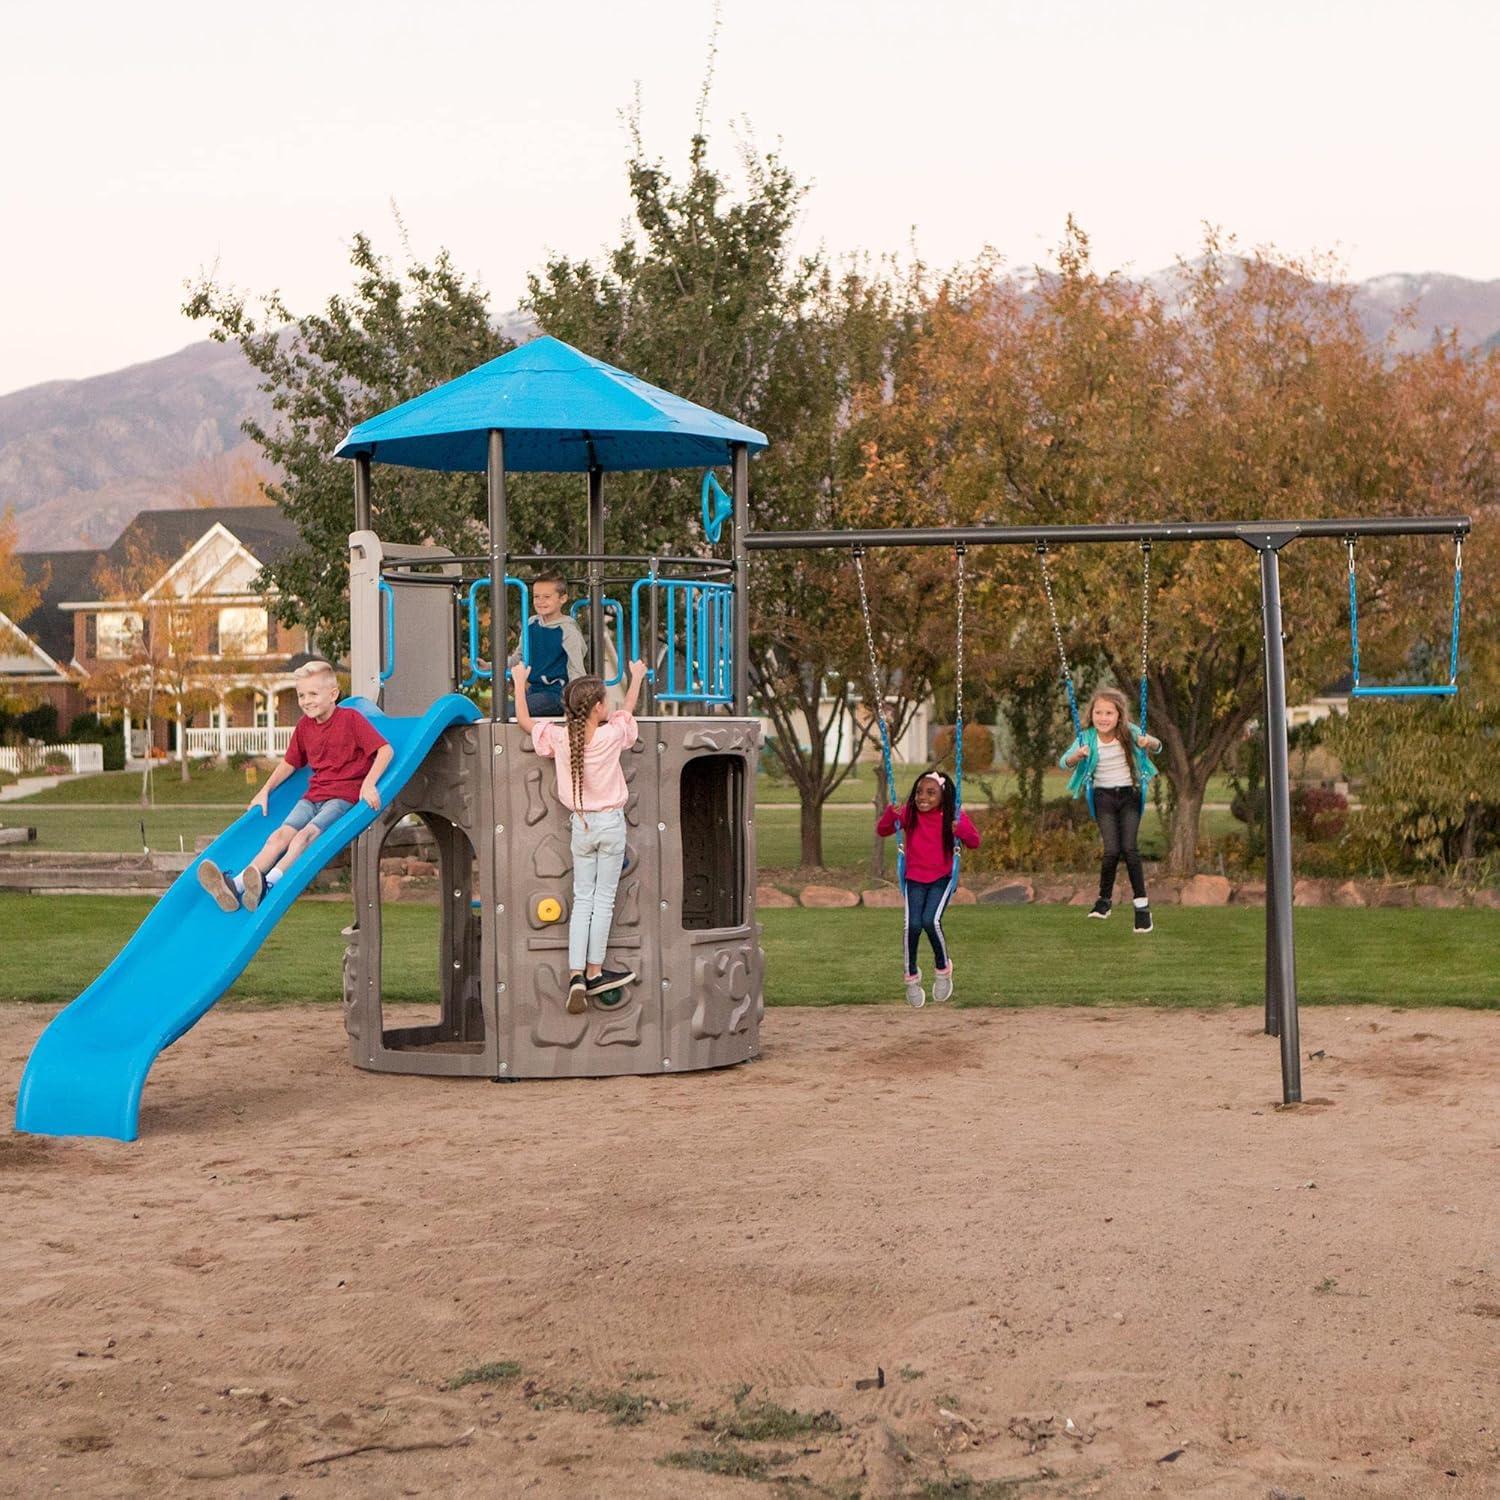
(697, 997)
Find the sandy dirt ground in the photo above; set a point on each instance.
(1090, 1254)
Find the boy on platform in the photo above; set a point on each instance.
(347, 755)
(555, 645)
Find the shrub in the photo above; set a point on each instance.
(39, 723)
(1012, 837)
(1318, 814)
(979, 747)
(57, 763)
(242, 758)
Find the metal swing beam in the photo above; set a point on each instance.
(1266, 539)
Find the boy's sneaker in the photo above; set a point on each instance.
(255, 886)
(942, 986)
(1143, 919)
(916, 996)
(607, 982)
(1100, 909)
(578, 995)
(216, 883)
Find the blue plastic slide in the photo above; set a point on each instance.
(86, 1072)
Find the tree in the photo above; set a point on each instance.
(161, 660)
(1250, 392)
(19, 599)
(705, 297)
(397, 334)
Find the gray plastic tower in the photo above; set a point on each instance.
(685, 912)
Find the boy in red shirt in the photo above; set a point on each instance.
(347, 755)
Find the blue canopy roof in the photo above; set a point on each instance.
(561, 412)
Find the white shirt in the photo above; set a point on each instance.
(1113, 769)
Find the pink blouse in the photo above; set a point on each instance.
(603, 780)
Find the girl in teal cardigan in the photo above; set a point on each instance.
(1109, 766)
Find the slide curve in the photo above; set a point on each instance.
(87, 1070)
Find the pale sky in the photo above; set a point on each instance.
(144, 142)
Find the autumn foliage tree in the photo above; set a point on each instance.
(160, 662)
(19, 598)
(1245, 390)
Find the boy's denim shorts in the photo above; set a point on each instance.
(322, 815)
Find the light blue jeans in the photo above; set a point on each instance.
(598, 858)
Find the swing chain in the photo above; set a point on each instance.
(960, 552)
(877, 695)
(1145, 626)
(1057, 635)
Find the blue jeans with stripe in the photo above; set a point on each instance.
(926, 901)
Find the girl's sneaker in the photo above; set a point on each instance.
(942, 986)
(1100, 909)
(606, 982)
(255, 886)
(916, 996)
(578, 995)
(1143, 919)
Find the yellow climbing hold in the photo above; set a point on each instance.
(548, 909)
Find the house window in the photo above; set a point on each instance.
(242, 630)
(117, 635)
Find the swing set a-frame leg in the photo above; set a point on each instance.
(1281, 959)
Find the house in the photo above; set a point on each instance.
(170, 612)
(36, 654)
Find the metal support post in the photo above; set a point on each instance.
(1273, 971)
(741, 486)
(1279, 820)
(499, 548)
(596, 592)
(362, 492)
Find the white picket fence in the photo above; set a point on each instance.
(31, 760)
(266, 742)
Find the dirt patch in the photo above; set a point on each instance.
(906, 1254)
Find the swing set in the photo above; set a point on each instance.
(1266, 539)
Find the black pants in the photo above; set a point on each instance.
(1117, 810)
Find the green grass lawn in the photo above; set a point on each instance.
(210, 783)
(52, 946)
(115, 830)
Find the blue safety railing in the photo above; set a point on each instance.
(486, 674)
(701, 615)
(1408, 689)
(388, 631)
(615, 608)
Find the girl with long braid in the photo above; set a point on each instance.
(592, 787)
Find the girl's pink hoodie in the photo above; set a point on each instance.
(925, 856)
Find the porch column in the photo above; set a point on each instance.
(223, 728)
(181, 738)
(270, 724)
(126, 716)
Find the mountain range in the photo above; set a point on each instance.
(80, 458)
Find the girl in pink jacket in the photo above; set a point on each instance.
(931, 822)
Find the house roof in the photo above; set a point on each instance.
(61, 575)
(167, 534)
